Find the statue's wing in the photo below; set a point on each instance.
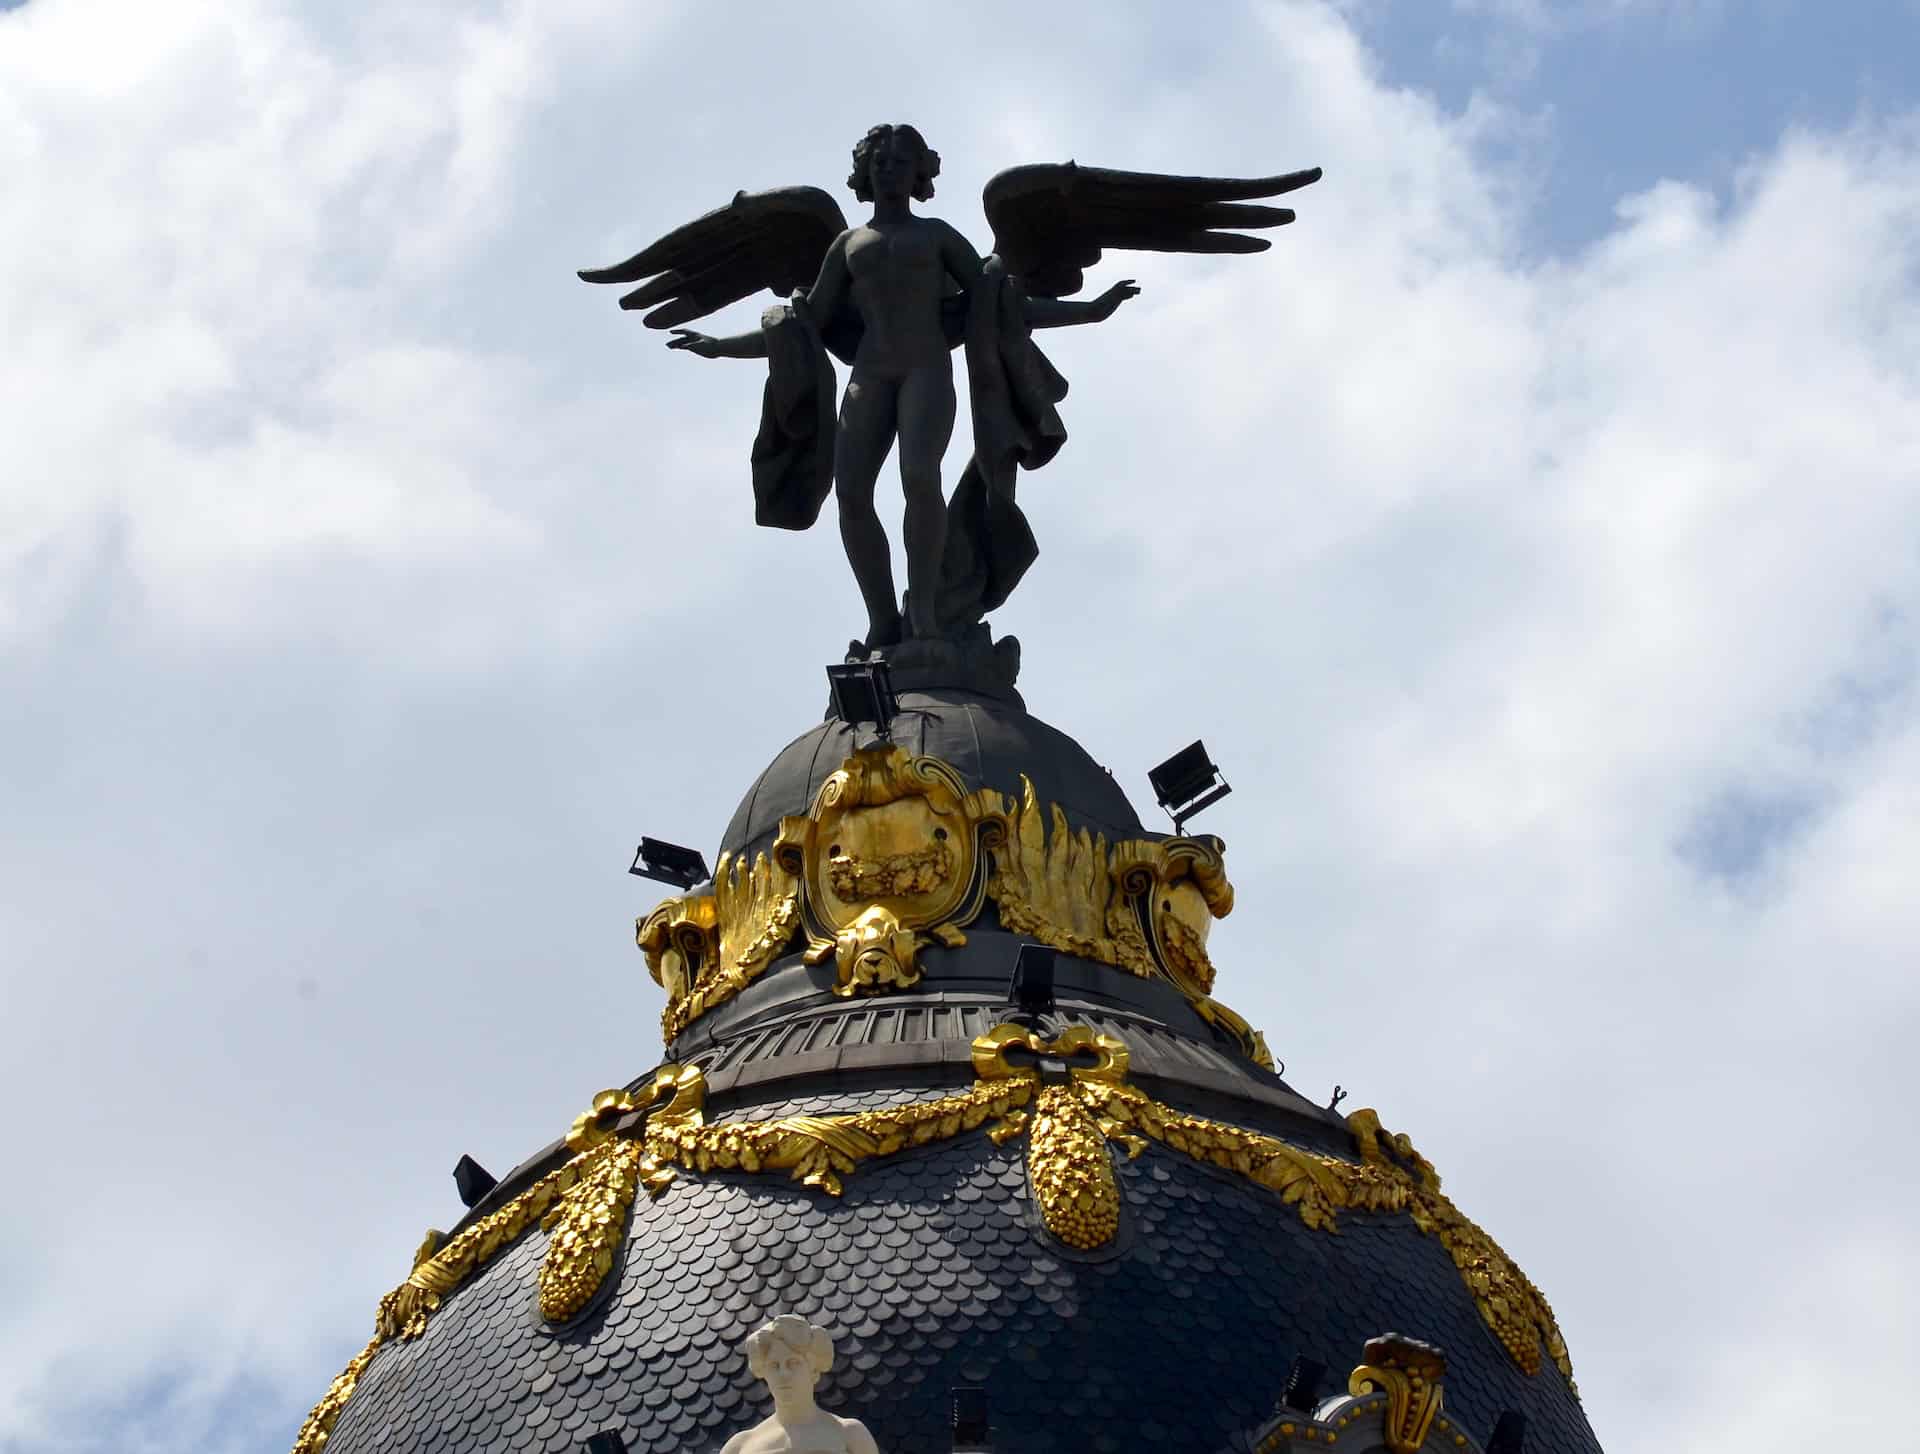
(773, 239)
(1050, 223)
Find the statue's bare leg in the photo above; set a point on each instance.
(860, 448)
(926, 424)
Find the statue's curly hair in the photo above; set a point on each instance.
(796, 1333)
(924, 171)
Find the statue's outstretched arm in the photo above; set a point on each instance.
(738, 345)
(1062, 313)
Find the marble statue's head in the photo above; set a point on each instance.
(889, 147)
(789, 1353)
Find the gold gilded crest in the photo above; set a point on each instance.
(892, 855)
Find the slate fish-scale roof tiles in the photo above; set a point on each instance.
(931, 1270)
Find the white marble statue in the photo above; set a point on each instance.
(790, 1354)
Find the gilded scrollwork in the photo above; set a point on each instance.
(1409, 1373)
(896, 854)
(889, 858)
(704, 949)
(680, 938)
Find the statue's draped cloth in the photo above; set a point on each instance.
(1012, 388)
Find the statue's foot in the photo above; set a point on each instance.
(883, 633)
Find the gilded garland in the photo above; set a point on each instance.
(896, 853)
(1069, 1097)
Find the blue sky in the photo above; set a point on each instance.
(1530, 535)
(1622, 95)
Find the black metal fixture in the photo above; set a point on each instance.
(670, 863)
(607, 1441)
(1302, 1390)
(1187, 782)
(1509, 1434)
(1032, 987)
(473, 1180)
(970, 1428)
(863, 692)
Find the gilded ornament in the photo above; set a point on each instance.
(1510, 1304)
(818, 1150)
(704, 950)
(680, 938)
(624, 1142)
(1068, 1164)
(895, 853)
(759, 912)
(1142, 905)
(587, 1228)
(403, 1313)
(898, 875)
(1409, 1373)
(589, 1221)
(1071, 1171)
(889, 858)
(1058, 887)
(318, 1427)
(1178, 887)
(874, 952)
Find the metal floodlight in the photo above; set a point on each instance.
(473, 1180)
(1032, 986)
(970, 1427)
(1509, 1434)
(1187, 782)
(863, 692)
(607, 1441)
(670, 863)
(1302, 1391)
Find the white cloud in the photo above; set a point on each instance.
(367, 585)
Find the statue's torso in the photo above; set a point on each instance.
(898, 278)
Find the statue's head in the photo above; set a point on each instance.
(790, 1354)
(902, 159)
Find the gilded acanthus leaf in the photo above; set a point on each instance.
(1059, 888)
(756, 912)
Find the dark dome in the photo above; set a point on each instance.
(843, 1156)
(990, 741)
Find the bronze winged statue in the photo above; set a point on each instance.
(892, 298)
